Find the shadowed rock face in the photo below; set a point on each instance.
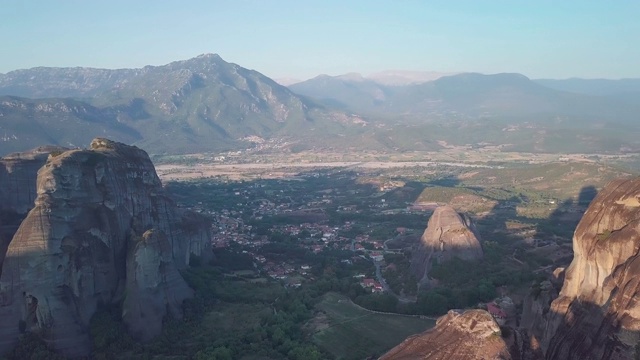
(102, 227)
(535, 308)
(153, 285)
(448, 235)
(471, 335)
(18, 174)
(597, 313)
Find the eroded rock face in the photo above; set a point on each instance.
(535, 308)
(153, 285)
(471, 335)
(18, 174)
(448, 235)
(597, 313)
(102, 231)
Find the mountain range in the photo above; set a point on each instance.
(473, 95)
(200, 104)
(206, 104)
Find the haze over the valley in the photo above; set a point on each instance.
(199, 77)
(311, 180)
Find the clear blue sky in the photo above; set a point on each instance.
(304, 38)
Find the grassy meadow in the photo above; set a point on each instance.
(350, 332)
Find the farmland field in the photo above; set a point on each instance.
(350, 332)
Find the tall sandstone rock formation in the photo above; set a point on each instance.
(448, 235)
(597, 313)
(102, 232)
(473, 335)
(18, 174)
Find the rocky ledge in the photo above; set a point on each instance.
(472, 335)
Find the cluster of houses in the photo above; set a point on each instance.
(291, 274)
(227, 229)
(369, 283)
(318, 231)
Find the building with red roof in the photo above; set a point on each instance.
(498, 314)
(368, 282)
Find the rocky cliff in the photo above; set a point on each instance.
(597, 313)
(448, 235)
(18, 174)
(153, 285)
(535, 308)
(102, 232)
(468, 336)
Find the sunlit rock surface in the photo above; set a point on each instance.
(448, 235)
(597, 313)
(473, 335)
(18, 172)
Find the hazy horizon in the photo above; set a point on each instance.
(287, 39)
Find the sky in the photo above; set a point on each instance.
(304, 38)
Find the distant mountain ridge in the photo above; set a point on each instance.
(405, 77)
(476, 110)
(600, 87)
(51, 82)
(206, 104)
(463, 95)
(199, 104)
(349, 91)
(65, 122)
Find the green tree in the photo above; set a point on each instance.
(218, 353)
(305, 352)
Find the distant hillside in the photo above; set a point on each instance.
(28, 123)
(50, 82)
(620, 91)
(465, 96)
(403, 77)
(200, 104)
(206, 104)
(475, 110)
(350, 91)
(601, 87)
